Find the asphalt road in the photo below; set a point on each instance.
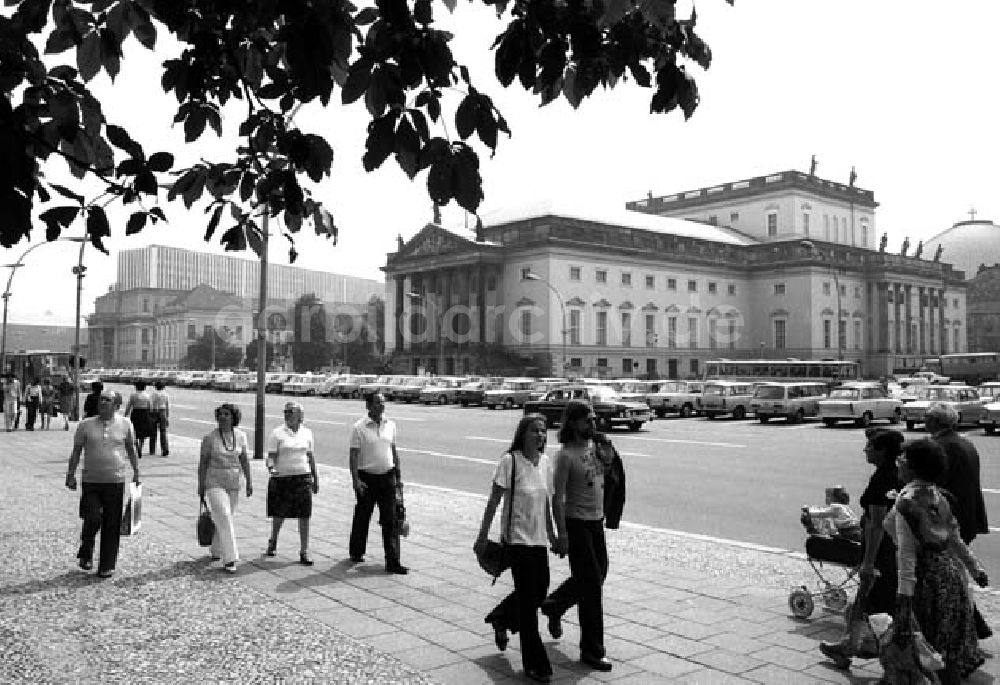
(738, 480)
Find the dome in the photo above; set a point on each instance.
(966, 245)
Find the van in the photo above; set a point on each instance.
(726, 397)
(794, 401)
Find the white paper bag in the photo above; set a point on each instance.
(132, 509)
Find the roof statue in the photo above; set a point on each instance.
(920, 248)
(883, 242)
(937, 252)
(812, 166)
(906, 246)
(399, 242)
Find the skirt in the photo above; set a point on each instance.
(942, 606)
(289, 497)
(142, 423)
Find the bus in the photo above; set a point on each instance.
(829, 371)
(971, 367)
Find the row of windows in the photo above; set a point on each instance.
(726, 333)
(601, 276)
(927, 300)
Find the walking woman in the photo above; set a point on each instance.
(223, 459)
(139, 409)
(48, 402)
(67, 401)
(930, 554)
(294, 479)
(877, 589)
(527, 525)
(578, 510)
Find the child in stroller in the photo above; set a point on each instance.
(834, 537)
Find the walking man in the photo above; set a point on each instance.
(11, 400)
(374, 464)
(91, 401)
(32, 401)
(160, 413)
(105, 440)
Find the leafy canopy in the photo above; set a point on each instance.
(275, 55)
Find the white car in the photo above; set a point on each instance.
(964, 399)
(860, 403)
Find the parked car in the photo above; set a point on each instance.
(861, 403)
(220, 380)
(441, 391)
(990, 420)
(676, 397)
(610, 408)
(989, 391)
(350, 385)
(274, 382)
(201, 379)
(635, 391)
(514, 392)
(397, 383)
(380, 384)
(474, 392)
(792, 401)
(328, 388)
(409, 390)
(307, 384)
(964, 399)
(726, 397)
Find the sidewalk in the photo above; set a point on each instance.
(678, 609)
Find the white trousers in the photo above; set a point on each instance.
(222, 504)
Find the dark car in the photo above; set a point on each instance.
(610, 408)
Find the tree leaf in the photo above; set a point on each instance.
(358, 80)
(64, 111)
(136, 223)
(320, 158)
(366, 16)
(32, 15)
(213, 223)
(97, 227)
(59, 41)
(64, 215)
(120, 138)
(88, 56)
(465, 116)
(254, 239)
(234, 239)
(110, 53)
(157, 213)
(142, 27)
(381, 141)
(161, 161)
(145, 182)
(194, 125)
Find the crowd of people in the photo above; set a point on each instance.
(39, 400)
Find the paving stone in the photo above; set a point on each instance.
(726, 660)
(664, 665)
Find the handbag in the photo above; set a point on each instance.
(132, 510)
(495, 558)
(906, 656)
(206, 527)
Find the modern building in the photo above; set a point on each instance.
(777, 266)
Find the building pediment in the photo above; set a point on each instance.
(650, 307)
(602, 303)
(672, 308)
(434, 240)
(575, 302)
(525, 302)
(694, 310)
(626, 305)
(827, 312)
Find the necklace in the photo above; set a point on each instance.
(226, 445)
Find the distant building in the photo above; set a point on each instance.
(778, 266)
(984, 309)
(35, 351)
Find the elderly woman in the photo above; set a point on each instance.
(223, 459)
(930, 556)
(523, 479)
(139, 409)
(877, 593)
(293, 480)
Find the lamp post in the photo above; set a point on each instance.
(438, 319)
(562, 306)
(810, 247)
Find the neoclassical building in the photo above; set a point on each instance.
(777, 266)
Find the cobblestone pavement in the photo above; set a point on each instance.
(678, 608)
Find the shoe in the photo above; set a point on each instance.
(500, 636)
(555, 623)
(838, 653)
(166, 454)
(230, 567)
(272, 548)
(538, 676)
(598, 663)
(106, 573)
(304, 559)
(86, 564)
(357, 559)
(397, 569)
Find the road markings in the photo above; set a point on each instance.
(458, 457)
(682, 442)
(478, 437)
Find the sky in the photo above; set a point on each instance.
(901, 91)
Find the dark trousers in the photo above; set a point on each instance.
(101, 510)
(381, 491)
(158, 418)
(32, 405)
(518, 612)
(588, 564)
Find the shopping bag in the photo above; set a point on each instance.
(206, 527)
(132, 509)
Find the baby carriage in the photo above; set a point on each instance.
(823, 550)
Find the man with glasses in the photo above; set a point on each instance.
(106, 441)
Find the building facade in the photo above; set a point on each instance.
(984, 310)
(634, 293)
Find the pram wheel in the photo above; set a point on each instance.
(800, 602)
(835, 599)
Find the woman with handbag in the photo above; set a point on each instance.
(522, 480)
(931, 590)
(223, 459)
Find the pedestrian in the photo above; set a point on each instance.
(139, 409)
(877, 589)
(105, 440)
(932, 588)
(375, 470)
(294, 479)
(92, 400)
(578, 503)
(67, 402)
(11, 401)
(223, 459)
(48, 402)
(523, 481)
(961, 477)
(32, 401)
(161, 418)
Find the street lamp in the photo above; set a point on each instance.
(810, 247)
(562, 306)
(438, 321)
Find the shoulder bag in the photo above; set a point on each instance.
(495, 558)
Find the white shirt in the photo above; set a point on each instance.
(374, 442)
(532, 486)
(292, 448)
